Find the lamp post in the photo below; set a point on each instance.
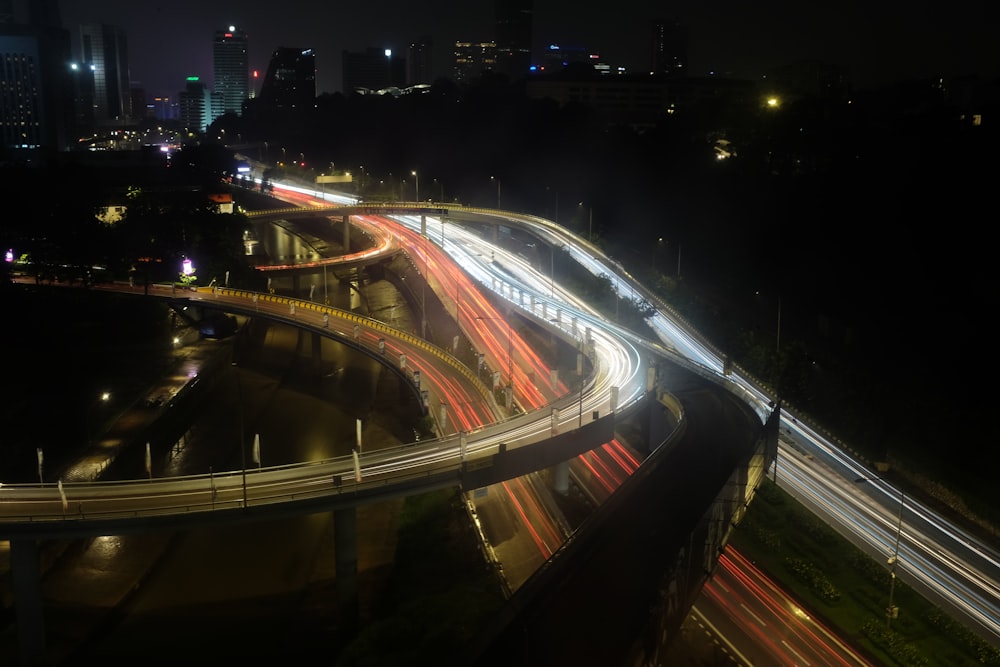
(891, 611)
(101, 400)
(590, 223)
(777, 335)
(555, 217)
(494, 178)
(243, 454)
(416, 178)
(510, 354)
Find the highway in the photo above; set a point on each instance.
(740, 605)
(946, 564)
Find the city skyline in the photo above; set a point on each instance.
(172, 41)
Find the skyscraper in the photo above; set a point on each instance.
(418, 62)
(372, 70)
(513, 37)
(473, 59)
(36, 104)
(105, 55)
(290, 82)
(232, 71)
(668, 47)
(195, 105)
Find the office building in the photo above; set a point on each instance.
(473, 59)
(668, 47)
(514, 20)
(418, 62)
(36, 105)
(557, 57)
(231, 88)
(195, 106)
(374, 70)
(290, 81)
(104, 54)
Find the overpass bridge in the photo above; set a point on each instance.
(471, 460)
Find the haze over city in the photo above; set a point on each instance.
(876, 43)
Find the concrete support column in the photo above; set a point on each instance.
(28, 601)
(345, 537)
(347, 234)
(423, 225)
(561, 478)
(317, 351)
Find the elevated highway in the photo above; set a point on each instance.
(455, 456)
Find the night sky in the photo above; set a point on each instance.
(878, 42)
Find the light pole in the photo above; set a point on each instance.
(494, 178)
(891, 611)
(243, 454)
(510, 354)
(777, 336)
(101, 400)
(590, 223)
(555, 218)
(416, 178)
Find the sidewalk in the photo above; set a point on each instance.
(125, 430)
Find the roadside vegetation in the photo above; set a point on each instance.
(836, 581)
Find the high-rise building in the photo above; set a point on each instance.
(35, 80)
(374, 69)
(195, 105)
(557, 57)
(473, 59)
(514, 20)
(30, 12)
(290, 81)
(104, 52)
(668, 47)
(231, 88)
(418, 62)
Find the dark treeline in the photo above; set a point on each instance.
(857, 220)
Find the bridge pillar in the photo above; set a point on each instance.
(347, 234)
(561, 478)
(317, 352)
(28, 601)
(345, 538)
(423, 225)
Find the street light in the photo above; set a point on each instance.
(416, 178)
(494, 178)
(891, 611)
(510, 354)
(243, 453)
(101, 400)
(590, 224)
